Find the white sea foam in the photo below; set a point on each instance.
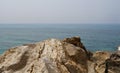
(118, 48)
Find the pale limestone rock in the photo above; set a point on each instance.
(49, 56)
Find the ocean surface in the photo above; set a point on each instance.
(104, 37)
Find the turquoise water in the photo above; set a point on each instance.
(95, 37)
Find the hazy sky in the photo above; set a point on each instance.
(59, 11)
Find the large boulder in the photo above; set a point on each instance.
(49, 56)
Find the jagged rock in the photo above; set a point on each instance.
(76, 41)
(49, 56)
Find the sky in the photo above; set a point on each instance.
(60, 11)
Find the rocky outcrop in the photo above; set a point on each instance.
(76, 41)
(58, 56)
(49, 56)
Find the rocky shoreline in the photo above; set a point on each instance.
(58, 56)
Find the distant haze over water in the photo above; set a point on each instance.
(95, 37)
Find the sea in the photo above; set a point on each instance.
(95, 37)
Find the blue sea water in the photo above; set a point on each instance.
(104, 37)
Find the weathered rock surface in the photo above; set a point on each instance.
(58, 56)
(105, 62)
(113, 63)
(98, 61)
(49, 56)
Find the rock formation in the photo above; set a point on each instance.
(58, 56)
(49, 56)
